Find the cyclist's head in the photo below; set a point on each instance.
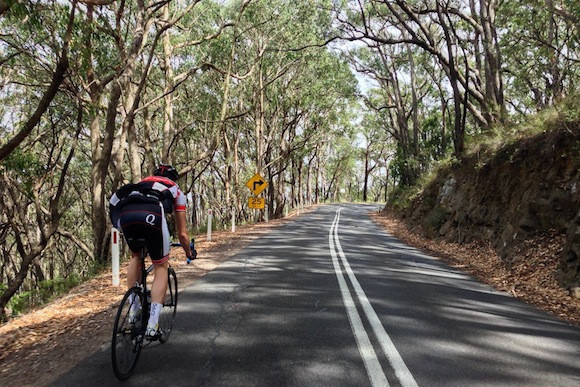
(167, 171)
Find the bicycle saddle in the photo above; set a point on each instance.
(137, 242)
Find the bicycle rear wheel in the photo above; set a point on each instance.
(127, 336)
(167, 314)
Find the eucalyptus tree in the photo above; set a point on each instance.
(34, 51)
(540, 43)
(280, 89)
(373, 150)
(397, 105)
(188, 96)
(110, 59)
(98, 114)
(132, 39)
(340, 173)
(308, 102)
(452, 33)
(14, 50)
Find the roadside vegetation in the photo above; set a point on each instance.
(327, 100)
(484, 147)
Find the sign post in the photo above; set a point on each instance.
(115, 255)
(209, 216)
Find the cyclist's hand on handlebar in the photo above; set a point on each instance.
(191, 247)
(193, 252)
(193, 256)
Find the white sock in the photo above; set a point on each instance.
(154, 315)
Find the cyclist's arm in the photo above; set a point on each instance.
(182, 234)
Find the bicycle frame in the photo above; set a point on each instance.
(146, 301)
(129, 337)
(146, 304)
(142, 284)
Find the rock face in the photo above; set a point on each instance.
(527, 188)
(569, 276)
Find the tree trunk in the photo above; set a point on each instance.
(57, 79)
(168, 130)
(493, 81)
(102, 151)
(367, 173)
(458, 134)
(149, 156)
(556, 86)
(260, 120)
(414, 105)
(387, 184)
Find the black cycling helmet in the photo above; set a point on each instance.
(167, 171)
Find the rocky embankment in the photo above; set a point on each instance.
(522, 192)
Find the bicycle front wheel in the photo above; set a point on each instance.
(167, 314)
(127, 334)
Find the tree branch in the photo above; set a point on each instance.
(47, 97)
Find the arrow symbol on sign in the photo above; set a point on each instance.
(259, 183)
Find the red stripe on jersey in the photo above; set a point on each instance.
(160, 179)
(179, 208)
(161, 261)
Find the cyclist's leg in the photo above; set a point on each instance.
(159, 287)
(133, 277)
(158, 246)
(158, 290)
(134, 270)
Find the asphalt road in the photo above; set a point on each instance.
(332, 300)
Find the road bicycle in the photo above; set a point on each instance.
(129, 336)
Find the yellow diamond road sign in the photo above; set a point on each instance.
(257, 184)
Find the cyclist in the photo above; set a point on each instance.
(139, 211)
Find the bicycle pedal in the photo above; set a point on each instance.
(156, 337)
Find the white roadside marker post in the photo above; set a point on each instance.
(115, 255)
(233, 219)
(209, 216)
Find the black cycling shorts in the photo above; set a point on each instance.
(146, 221)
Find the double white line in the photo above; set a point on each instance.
(369, 356)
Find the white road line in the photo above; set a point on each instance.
(400, 368)
(368, 354)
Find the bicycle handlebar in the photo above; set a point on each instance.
(191, 247)
(193, 251)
